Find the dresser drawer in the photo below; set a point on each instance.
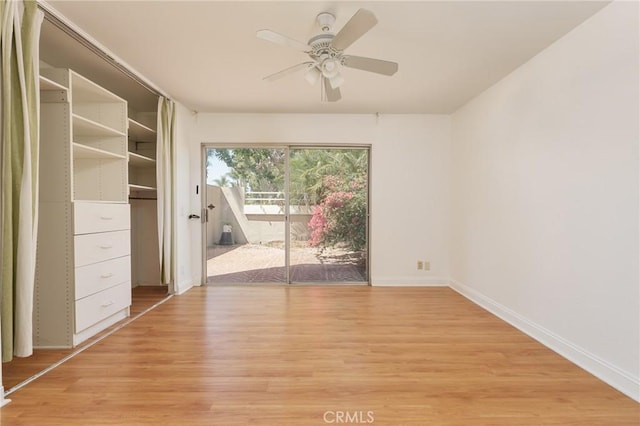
(96, 277)
(93, 309)
(100, 217)
(93, 248)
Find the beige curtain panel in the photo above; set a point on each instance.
(20, 110)
(165, 153)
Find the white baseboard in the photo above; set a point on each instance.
(3, 400)
(610, 374)
(410, 282)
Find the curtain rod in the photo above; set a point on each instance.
(61, 22)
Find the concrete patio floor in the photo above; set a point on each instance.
(257, 263)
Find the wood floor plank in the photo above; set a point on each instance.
(20, 369)
(302, 355)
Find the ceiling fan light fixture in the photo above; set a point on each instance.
(312, 75)
(336, 81)
(330, 68)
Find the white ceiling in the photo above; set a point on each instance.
(205, 54)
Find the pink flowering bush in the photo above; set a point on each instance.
(339, 219)
(318, 226)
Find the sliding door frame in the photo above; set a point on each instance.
(287, 147)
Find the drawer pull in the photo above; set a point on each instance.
(107, 275)
(106, 246)
(107, 303)
(106, 217)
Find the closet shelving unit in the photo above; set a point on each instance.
(142, 137)
(83, 262)
(142, 162)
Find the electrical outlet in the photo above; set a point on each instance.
(427, 265)
(420, 264)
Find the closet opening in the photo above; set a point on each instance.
(97, 151)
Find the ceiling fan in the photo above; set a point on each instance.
(326, 51)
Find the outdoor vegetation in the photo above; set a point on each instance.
(331, 182)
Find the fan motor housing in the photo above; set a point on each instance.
(321, 47)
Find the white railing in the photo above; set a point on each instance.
(262, 198)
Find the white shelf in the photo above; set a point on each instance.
(141, 187)
(141, 133)
(84, 127)
(85, 151)
(47, 85)
(85, 90)
(140, 160)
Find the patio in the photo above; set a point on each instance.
(265, 263)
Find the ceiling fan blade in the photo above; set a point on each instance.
(333, 95)
(274, 37)
(287, 71)
(369, 64)
(358, 25)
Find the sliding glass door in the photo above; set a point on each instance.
(245, 215)
(328, 207)
(286, 215)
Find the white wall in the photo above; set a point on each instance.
(409, 179)
(185, 123)
(545, 197)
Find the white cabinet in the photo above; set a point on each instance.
(83, 262)
(94, 278)
(100, 217)
(101, 246)
(95, 308)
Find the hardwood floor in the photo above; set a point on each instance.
(318, 355)
(20, 369)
